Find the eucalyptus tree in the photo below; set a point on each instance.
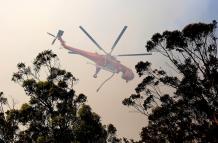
(54, 113)
(182, 107)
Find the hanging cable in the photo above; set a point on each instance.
(105, 82)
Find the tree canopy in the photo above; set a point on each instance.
(54, 113)
(182, 107)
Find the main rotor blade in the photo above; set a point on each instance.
(122, 55)
(118, 38)
(90, 37)
(50, 34)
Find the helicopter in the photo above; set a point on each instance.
(106, 62)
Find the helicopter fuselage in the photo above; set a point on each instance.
(106, 62)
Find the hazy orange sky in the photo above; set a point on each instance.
(23, 27)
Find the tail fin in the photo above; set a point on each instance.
(60, 33)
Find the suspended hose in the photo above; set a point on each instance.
(105, 82)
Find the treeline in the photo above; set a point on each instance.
(56, 114)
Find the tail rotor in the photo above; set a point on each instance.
(59, 34)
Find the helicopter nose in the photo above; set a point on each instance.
(131, 76)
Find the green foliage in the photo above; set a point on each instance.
(54, 113)
(89, 126)
(182, 107)
(8, 124)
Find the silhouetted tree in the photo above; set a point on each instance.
(180, 107)
(8, 124)
(54, 113)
